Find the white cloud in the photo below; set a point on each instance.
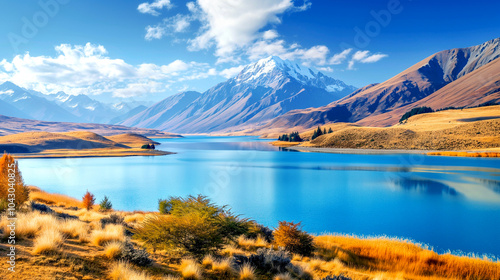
(169, 26)
(340, 57)
(88, 70)
(364, 57)
(154, 32)
(231, 72)
(270, 34)
(232, 25)
(153, 8)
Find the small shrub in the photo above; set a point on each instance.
(292, 238)
(164, 206)
(42, 208)
(247, 272)
(190, 270)
(74, 229)
(88, 200)
(123, 271)
(270, 260)
(113, 250)
(108, 234)
(113, 219)
(138, 257)
(255, 230)
(105, 204)
(208, 261)
(223, 268)
(49, 241)
(195, 226)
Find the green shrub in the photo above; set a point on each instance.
(105, 204)
(195, 226)
(164, 206)
(415, 111)
(293, 239)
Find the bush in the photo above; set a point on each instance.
(42, 208)
(292, 238)
(164, 206)
(270, 260)
(105, 204)
(138, 257)
(255, 230)
(195, 226)
(11, 179)
(415, 111)
(88, 200)
(113, 219)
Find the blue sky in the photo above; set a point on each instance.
(147, 50)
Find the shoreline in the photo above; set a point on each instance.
(355, 151)
(90, 153)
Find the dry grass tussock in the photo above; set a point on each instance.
(247, 272)
(113, 250)
(48, 241)
(391, 255)
(28, 225)
(190, 269)
(252, 244)
(110, 233)
(124, 271)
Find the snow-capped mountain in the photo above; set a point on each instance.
(33, 106)
(260, 92)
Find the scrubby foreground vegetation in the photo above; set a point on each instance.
(58, 237)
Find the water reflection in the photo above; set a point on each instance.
(425, 186)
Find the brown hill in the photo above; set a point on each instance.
(132, 140)
(457, 77)
(468, 129)
(10, 125)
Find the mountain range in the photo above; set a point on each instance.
(29, 104)
(277, 96)
(260, 92)
(452, 78)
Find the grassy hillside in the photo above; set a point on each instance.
(73, 144)
(467, 129)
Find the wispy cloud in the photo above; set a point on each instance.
(365, 57)
(154, 7)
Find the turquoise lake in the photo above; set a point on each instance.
(448, 203)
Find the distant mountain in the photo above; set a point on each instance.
(260, 92)
(9, 110)
(128, 114)
(449, 78)
(33, 106)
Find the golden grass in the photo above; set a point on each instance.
(53, 198)
(223, 267)
(123, 271)
(207, 261)
(134, 218)
(283, 276)
(109, 234)
(113, 250)
(246, 272)
(48, 241)
(390, 255)
(74, 229)
(190, 269)
(465, 154)
(252, 244)
(231, 250)
(284, 143)
(28, 225)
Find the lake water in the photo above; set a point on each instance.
(449, 203)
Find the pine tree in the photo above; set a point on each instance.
(324, 130)
(330, 130)
(105, 204)
(88, 200)
(11, 178)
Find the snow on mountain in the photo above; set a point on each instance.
(260, 92)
